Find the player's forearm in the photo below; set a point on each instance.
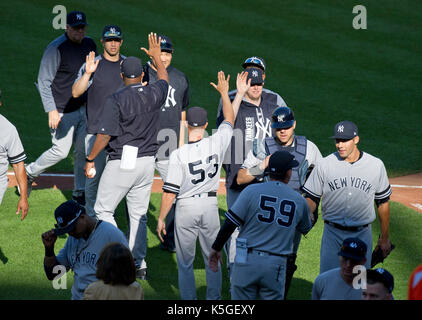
(101, 141)
(311, 204)
(227, 109)
(20, 174)
(236, 103)
(167, 200)
(384, 216)
(244, 176)
(80, 86)
(50, 261)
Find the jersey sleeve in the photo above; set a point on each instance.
(316, 289)
(315, 183)
(305, 223)
(15, 151)
(186, 96)
(222, 138)
(110, 120)
(62, 256)
(48, 68)
(383, 190)
(174, 175)
(159, 93)
(250, 161)
(312, 153)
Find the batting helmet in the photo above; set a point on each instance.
(283, 117)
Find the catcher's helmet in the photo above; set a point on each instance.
(283, 117)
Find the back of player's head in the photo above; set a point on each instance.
(196, 116)
(131, 67)
(280, 162)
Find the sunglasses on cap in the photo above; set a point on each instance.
(255, 61)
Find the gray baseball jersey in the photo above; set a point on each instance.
(195, 167)
(330, 286)
(11, 151)
(268, 216)
(194, 175)
(81, 255)
(348, 190)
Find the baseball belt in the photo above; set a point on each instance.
(345, 228)
(205, 195)
(266, 253)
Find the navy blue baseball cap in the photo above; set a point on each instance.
(383, 276)
(345, 130)
(66, 216)
(76, 18)
(112, 32)
(166, 44)
(196, 116)
(256, 76)
(131, 67)
(353, 248)
(280, 162)
(254, 62)
(282, 118)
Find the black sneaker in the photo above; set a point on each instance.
(80, 199)
(141, 274)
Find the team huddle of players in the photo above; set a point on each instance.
(125, 119)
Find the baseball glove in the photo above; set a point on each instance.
(378, 256)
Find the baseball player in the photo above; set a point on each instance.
(379, 285)
(66, 115)
(11, 151)
(129, 131)
(87, 237)
(256, 162)
(349, 181)
(193, 178)
(173, 112)
(99, 76)
(268, 216)
(253, 122)
(337, 283)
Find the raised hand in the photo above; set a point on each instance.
(242, 82)
(154, 50)
(223, 83)
(90, 63)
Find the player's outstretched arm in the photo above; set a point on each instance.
(20, 173)
(242, 86)
(154, 52)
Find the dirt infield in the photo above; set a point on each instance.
(406, 189)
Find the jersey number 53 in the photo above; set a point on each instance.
(268, 214)
(195, 169)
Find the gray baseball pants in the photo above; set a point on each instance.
(332, 240)
(135, 185)
(71, 131)
(230, 246)
(91, 184)
(196, 217)
(261, 276)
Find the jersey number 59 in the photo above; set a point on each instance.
(268, 215)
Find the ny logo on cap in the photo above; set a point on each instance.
(79, 16)
(340, 128)
(163, 41)
(112, 30)
(60, 220)
(353, 245)
(280, 117)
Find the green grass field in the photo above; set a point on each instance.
(323, 68)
